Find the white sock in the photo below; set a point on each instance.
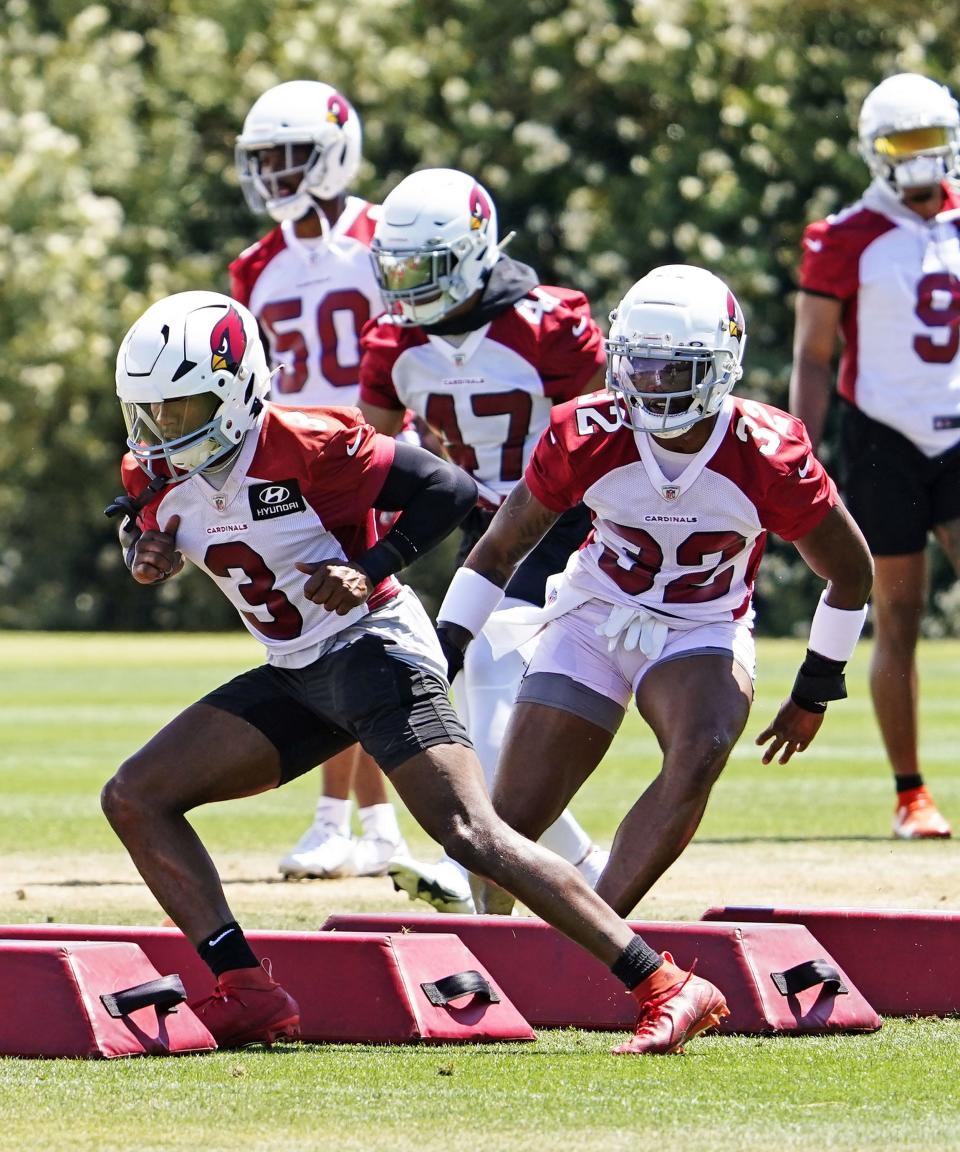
(330, 810)
(567, 838)
(379, 821)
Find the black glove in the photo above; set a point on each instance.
(452, 652)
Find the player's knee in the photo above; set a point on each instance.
(119, 802)
(472, 843)
(694, 766)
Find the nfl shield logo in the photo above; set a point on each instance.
(220, 503)
(670, 491)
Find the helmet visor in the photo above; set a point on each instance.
(404, 272)
(662, 387)
(181, 431)
(897, 145)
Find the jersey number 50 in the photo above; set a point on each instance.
(335, 312)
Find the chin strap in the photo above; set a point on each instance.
(130, 506)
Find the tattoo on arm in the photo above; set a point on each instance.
(519, 525)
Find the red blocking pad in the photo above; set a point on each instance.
(72, 998)
(906, 962)
(351, 987)
(760, 968)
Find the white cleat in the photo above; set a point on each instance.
(592, 865)
(372, 855)
(441, 885)
(323, 852)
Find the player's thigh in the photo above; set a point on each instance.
(945, 489)
(394, 704)
(443, 788)
(202, 755)
(275, 703)
(696, 697)
(571, 703)
(548, 753)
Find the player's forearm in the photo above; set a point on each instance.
(432, 496)
(477, 588)
(837, 552)
(811, 388)
(520, 524)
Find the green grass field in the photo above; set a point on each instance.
(815, 832)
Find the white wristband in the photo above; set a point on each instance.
(834, 632)
(469, 601)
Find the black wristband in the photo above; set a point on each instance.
(452, 653)
(819, 681)
(381, 561)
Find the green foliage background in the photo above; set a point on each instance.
(615, 136)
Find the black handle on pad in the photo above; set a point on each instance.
(806, 975)
(449, 988)
(165, 994)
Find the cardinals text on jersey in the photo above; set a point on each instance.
(686, 549)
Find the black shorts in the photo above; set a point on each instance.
(894, 492)
(550, 555)
(361, 692)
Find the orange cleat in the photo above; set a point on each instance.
(247, 1006)
(918, 818)
(674, 1007)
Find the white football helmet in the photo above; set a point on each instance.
(191, 377)
(909, 132)
(315, 117)
(434, 244)
(675, 349)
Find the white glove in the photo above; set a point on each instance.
(634, 628)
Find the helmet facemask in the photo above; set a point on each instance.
(422, 285)
(665, 391)
(268, 189)
(185, 432)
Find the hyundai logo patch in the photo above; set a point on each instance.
(280, 498)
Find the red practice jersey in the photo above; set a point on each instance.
(311, 299)
(898, 278)
(489, 397)
(302, 489)
(686, 550)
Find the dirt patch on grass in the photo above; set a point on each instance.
(105, 888)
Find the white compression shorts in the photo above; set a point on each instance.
(569, 648)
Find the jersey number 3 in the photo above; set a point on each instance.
(259, 590)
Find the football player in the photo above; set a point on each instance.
(882, 276)
(480, 351)
(310, 284)
(684, 482)
(277, 507)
